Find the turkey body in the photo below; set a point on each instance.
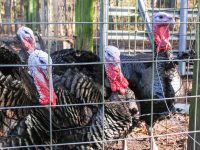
(15, 79)
(164, 86)
(83, 117)
(107, 121)
(16, 90)
(157, 80)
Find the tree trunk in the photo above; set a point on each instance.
(15, 14)
(84, 32)
(1, 6)
(166, 4)
(194, 124)
(8, 16)
(30, 11)
(42, 16)
(21, 9)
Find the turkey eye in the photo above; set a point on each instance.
(26, 32)
(109, 55)
(160, 17)
(42, 62)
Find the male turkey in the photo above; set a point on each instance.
(16, 88)
(79, 90)
(17, 91)
(167, 83)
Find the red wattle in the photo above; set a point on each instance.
(122, 91)
(113, 86)
(43, 89)
(117, 81)
(124, 82)
(161, 37)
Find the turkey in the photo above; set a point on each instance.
(167, 83)
(16, 87)
(72, 85)
(17, 91)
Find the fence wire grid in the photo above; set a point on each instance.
(104, 119)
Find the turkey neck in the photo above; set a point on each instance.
(161, 41)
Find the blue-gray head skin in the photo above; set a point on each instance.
(26, 37)
(163, 18)
(112, 54)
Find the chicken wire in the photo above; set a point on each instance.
(121, 25)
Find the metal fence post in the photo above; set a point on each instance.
(146, 19)
(183, 33)
(103, 26)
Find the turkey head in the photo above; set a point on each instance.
(26, 37)
(163, 22)
(113, 69)
(39, 65)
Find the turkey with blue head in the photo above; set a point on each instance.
(79, 113)
(18, 98)
(155, 78)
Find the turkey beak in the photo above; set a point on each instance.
(20, 37)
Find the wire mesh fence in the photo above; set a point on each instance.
(152, 114)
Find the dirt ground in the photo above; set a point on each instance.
(167, 134)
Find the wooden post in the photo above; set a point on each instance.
(15, 14)
(26, 11)
(50, 27)
(1, 16)
(42, 14)
(194, 124)
(84, 32)
(8, 16)
(166, 3)
(22, 10)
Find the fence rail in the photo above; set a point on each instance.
(141, 35)
(132, 11)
